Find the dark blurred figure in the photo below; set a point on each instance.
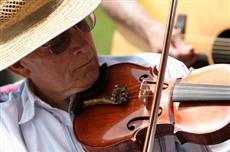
(5, 77)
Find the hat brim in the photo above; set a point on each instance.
(65, 16)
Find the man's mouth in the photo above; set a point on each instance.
(86, 63)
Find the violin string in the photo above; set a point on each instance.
(191, 87)
(134, 89)
(202, 86)
(136, 86)
(190, 90)
(203, 92)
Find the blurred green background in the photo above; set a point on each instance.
(103, 32)
(102, 35)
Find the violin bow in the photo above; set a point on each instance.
(150, 135)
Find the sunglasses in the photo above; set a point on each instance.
(59, 44)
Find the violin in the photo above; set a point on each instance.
(196, 108)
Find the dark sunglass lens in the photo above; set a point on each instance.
(60, 43)
(87, 24)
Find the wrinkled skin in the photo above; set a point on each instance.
(56, 77)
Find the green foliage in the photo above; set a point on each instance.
(103, 32)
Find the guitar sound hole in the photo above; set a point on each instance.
(221, 49)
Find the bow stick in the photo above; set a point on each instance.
(149, 139)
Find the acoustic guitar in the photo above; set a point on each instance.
(205, 23)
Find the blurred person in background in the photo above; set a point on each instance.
(131, 14)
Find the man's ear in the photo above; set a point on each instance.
(19, 69)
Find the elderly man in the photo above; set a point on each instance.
(48, 42)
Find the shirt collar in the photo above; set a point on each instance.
(30, 101)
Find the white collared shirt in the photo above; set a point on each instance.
(29, 124)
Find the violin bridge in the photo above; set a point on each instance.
(146, 90)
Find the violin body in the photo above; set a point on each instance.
(106, 125)
(122, 127)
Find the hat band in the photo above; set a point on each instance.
(32, 19)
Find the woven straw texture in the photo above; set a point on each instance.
(27, 24)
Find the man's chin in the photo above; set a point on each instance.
(87, 82)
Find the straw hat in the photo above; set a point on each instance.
(27, 24)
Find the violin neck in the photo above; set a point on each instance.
(201, 93)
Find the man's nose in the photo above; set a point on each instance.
(78, 45)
